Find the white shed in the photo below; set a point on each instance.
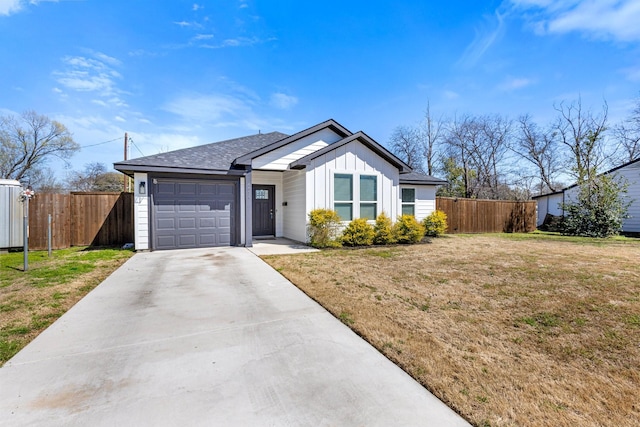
(11, 215)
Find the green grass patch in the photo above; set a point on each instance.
(32, 300)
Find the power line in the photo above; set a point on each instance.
(99, 143)
(134, 144)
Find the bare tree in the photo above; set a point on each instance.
(29, 140)
(95, 177)
(431, 135)
(461, 141)
(628, 134)
(582, 133)
(538, 147)
(406, 144)
(44, 180)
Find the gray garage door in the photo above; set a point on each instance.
(193, 213)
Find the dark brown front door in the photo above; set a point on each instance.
(264, 210)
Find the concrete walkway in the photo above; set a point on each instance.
(207, 337)
(279, 246)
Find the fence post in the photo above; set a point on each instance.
(49, 235)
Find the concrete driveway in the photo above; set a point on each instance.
(207, 337)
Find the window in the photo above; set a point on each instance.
(343, 196)
(409, 201)
(351, 201)
(368, 196)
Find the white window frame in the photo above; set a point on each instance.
(355, 183)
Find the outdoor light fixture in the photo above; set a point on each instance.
(142, 188)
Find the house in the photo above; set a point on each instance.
(630, 172)
(230, 192)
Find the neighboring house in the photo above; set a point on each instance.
(630, 172)
(227, 193)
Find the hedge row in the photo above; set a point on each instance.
(326, 230)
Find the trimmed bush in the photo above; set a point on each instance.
(383, 230)
(358, 233)
(323, 229)
(435, 224)
(408, 230)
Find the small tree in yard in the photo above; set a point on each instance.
(599, 209)
(324, 228)
(383, 230)
(435, 224)
(408, 230)
(358, 233)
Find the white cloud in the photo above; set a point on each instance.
(485, 37)
(196, 7)
(282, 101)
(92, 74)
(450, 95)
(119, 119)
(207, 108)
(203, 37)
(7, 7)
(603, 19)
(183, 23)
(513, 83)
(632, 73)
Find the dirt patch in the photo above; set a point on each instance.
(505, 331)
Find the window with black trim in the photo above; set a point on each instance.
(343, 196)
(409, 201)
(351, 201)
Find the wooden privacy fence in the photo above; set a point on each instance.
(488, 216)
(81, 219)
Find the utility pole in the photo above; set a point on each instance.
(126, 149)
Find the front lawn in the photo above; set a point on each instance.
(508, 330)
(32, 300)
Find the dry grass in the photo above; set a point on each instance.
(30, 301)
(507, 330)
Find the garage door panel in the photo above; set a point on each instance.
(187, 223)
(207, 223)
(192, 214)
(187, 188)
(166, 223)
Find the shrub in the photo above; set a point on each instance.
(599, 209)
(408, 230)
(383, 230)
(323, 229)
(358, 233)
(435, 224)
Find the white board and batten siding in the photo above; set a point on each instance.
(281, 158)
(357, 159)
(295, 212)
(425, 203)
(141, 212)
(272, 178)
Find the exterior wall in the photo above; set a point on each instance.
(549, 204)
(353, 158)
(141, 216)
(425, 200)
(631, 174)
(279, 159)
(243, 211)
(294, 213)
(273, 178)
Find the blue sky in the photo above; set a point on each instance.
(177, 73)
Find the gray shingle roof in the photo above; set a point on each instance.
(419, 178)
(215, 156)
